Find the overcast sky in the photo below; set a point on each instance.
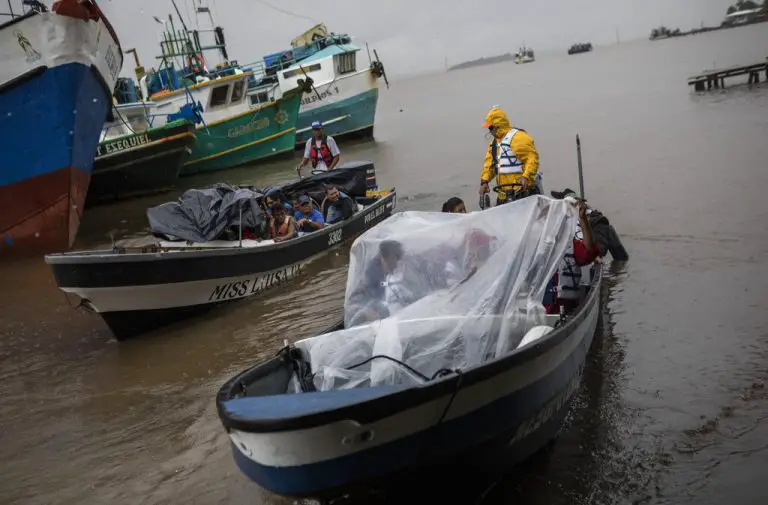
(415, 35)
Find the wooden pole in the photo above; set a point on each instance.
(581, 168)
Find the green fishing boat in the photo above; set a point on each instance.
(231, 132)
(253, 135)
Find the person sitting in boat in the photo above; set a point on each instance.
(272, 197)
(511, 158)
(308, 219)
(604, 233)
(367, 300)
(455, 266)
(282, 226)
(321, 150)
(454, 205)
(582, 251)
(337, 206)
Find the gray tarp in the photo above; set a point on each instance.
(201, 215)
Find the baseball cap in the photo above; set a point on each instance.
(316, 124)
(303, 199)
(562, 194)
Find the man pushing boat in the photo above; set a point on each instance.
(511, 159)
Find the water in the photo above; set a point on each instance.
(673, 405)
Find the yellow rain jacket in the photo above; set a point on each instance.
(522, 145)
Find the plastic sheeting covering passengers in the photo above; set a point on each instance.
(442, 291)
(201, 215)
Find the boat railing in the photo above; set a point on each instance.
(272, 63)
(121, 121)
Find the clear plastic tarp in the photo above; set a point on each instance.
(439, 291)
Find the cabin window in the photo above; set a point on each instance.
(259, 98)
(219, 96)
(297, 71)
(238, 91)
(345, 63)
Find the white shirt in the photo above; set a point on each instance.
(331, 145)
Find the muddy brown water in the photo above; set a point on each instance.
(673, 407)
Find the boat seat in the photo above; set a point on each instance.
(276, 407)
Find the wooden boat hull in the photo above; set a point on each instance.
(335, 443)
(143, 169)
(136, 292)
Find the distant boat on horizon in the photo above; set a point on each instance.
(524, 55)
(580, 48)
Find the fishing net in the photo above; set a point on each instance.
(429, 292)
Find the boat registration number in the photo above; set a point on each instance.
(335, 236)
(111, 61)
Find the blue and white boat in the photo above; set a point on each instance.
(346, 90)
(57, 72)
(467, 368)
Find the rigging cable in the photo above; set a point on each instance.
(300, 16)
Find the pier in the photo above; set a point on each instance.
(716, 78)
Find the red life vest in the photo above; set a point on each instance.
(324, 152)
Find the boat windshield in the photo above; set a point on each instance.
(442, 291)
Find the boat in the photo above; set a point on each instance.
(344, 91)
(524, 55)
(134, 158)
(466, 370)
(57, 72)
(190, 268)
(580, 48)
(232, 133)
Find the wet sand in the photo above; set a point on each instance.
(673, 405)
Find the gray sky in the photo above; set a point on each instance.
(413, 36)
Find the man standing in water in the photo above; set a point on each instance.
(511, 158)
(321, 150)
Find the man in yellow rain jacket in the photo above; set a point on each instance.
(511, 157)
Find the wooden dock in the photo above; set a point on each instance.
(716, 78)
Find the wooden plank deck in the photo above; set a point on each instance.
(716, 78)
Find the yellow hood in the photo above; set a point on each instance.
(498, 118)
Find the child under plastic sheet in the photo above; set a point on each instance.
(396, 279)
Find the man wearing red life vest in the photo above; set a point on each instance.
(321, 150)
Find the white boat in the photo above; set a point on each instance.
(345, 90)
(524, 55)
(467, 370)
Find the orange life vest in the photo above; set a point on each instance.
(282, 229)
